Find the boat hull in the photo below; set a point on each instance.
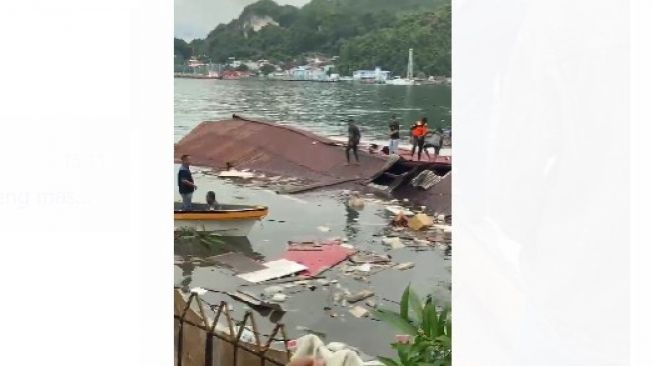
(400, 82)
(236, 228)
(232, 221)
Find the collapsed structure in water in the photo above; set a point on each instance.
(280, 150)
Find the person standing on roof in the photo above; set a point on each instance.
(186, 183)
(394, 136)
(352, 142)
(435, 140)
(419, 133)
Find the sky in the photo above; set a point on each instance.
(196, 18)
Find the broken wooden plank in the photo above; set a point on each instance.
(254, 301)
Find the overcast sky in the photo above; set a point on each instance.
(196, 18)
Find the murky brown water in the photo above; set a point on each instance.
(298, 218)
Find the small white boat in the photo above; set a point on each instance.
(400, 81)
(226, 220)
(409, 73)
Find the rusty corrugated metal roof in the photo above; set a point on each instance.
(275, 149)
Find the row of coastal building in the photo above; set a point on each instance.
(315, 69)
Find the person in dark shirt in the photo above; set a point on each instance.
(354, 139)
(211, 203)
(394, 136)
(186, 183)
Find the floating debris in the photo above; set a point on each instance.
(356, 203)
(420, 221)
(236, 174)
(317, 257)
(396, 210)
(272, 290)
(371, 303)
(402, 338)
(279, 297)
(362, 279)
(337, 298)
(366, 267)
(198, 290)
(359, 311)
(323, 229)
(443, 227)
(274, 269)
(393, 242)
(361, 295)
(323, 282)
(419, 243)
(236, 262)
(253, 300)
(361, 258)
(404, 266)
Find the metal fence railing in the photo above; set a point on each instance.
(198, 341)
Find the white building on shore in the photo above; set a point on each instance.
(310, 73)
(371, 75)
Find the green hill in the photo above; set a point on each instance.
(364, 33)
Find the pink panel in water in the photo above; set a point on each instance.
(317, 258)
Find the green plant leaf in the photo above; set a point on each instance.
(415, 305)
(388, 361)
(444, 341)
(438, 363)
(396, 321)
(403, 305)
(443, 321)
(403, 350)
(429, 318)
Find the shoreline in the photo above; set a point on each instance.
(438, 81)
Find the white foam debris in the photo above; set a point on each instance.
(198, 290)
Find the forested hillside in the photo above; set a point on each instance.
(363, 33)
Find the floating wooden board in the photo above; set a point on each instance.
(274, 269)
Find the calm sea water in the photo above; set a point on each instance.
(319, 107)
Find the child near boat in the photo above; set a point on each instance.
(210, 201)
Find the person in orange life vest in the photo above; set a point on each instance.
(419, 133)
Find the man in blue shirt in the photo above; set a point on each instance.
(186, 184)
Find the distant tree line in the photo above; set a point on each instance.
(363, 33)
